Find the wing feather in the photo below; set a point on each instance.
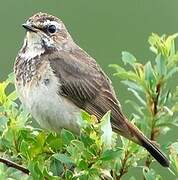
(85, 84)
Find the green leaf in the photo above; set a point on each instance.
(172, 72)
(12, 96)
(173, 156)
(63, 158)
(67, 136)
(161, 65)
(68, 175)
(127, 75)
(25, 135)
(141, 100)
(85, 115)
(149, 75)
(132, 85)
(83, 165)
(93, 172)
(78, 144)
(106, 128)
(109, 155)
(175, 147)
(82, 177)
(56, 167)
(118, 68)
(36, 170)
(49, 175)
(170, 43)
(150, 174)
(40, 138)
(128, 58)
(11, 78)
(54, 142)
(87, 140)
(3, 122)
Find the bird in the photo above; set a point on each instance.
(55, 79)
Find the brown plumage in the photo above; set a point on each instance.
(78, 79)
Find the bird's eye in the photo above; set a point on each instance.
(51, 29)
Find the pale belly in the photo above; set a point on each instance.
(49, 109)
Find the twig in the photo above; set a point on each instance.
(14, 165)
(124, 167)
(154, 131)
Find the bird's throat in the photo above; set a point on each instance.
(32, 46)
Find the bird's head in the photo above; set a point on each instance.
(47, 30)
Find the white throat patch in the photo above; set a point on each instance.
(33, 43)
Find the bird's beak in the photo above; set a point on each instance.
(29, 27)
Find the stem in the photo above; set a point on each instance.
(124, 167)
(14, 165)
(154, 111)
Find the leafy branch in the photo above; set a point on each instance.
(96, 153)
(149, 84)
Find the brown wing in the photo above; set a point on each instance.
(84, 83)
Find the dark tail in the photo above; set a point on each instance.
(154, 151)
(138, 137)
(121, 125)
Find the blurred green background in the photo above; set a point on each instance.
(103, 28)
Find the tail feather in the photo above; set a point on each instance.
(154, 151)
(137, 136)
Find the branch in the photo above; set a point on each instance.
(14, 165)
(124, 167)
(154, 131)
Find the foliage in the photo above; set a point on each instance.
(96, 153)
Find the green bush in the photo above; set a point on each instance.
(32, 153)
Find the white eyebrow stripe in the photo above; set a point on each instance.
(48, 22)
